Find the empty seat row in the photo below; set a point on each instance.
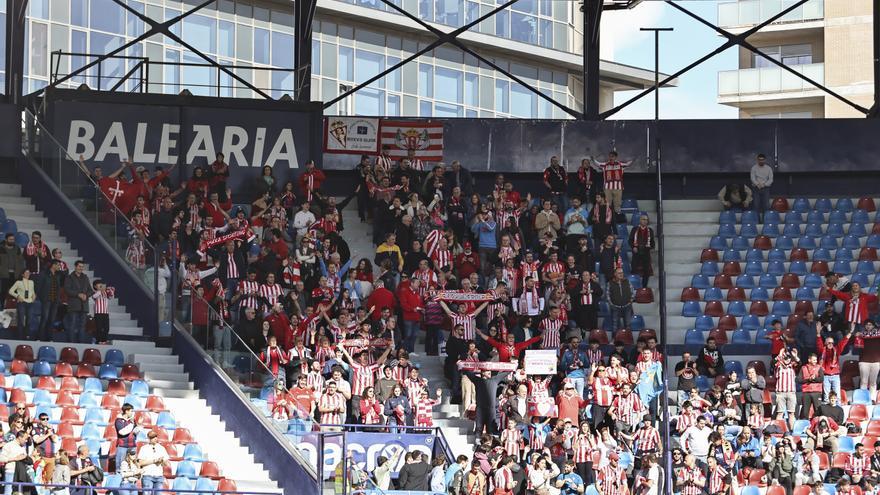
(756, 294)
(779, 255)
(721, 242)
(803, 205)
(128, 372)
(799, 217)
(692, 309)
(68, 355)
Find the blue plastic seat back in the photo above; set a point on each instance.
(782, 308)
(704, 322)
(5, 352)
(90, 430)
(753, 269)
(166, 420)
(797, 267)
(759, 294)
(731, 255)
(193, 452)
(805, 294)
(748, 216)
(843, 255)
(860, 278)
(691, 309)
(791, 230)
(108, 372)
(114, 357)
(828, 242)
(736, 308)
(845, 204)
(637, 323)
(821, 254)
(784, 242)
(139, 388)
(815, 216)
(10, 227)
(748, 230)
(136, 402)
(861, 396)
(717, 242)
(88, 400)
(794, 217)
(727, 230)
(776, 254)
(835, 229)
(42, 368)
(750, 322)
(745, 281)
(740, 336)
(770, 229)
(775, 268)
(712, 294)
(807, 242)
(823, 205)
(21, 238)
(47, 353)
(93, 385)
(813, 281)
(42, 398)
(837, 216)
(727, 216)
(22, 381)
(873, 241)
(860, 216)
(694, 336)
(113, 481)
(709, 268)
(842, 267)
(95, 415)
(768, 281)
(181, 482)
(856, 230)
(772, 216)
(698, 281)
(754, 254)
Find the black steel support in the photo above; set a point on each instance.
(302, 54)
(875, 110)
(16, 11)
(592, 10)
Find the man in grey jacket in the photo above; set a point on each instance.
(78, 290)
(414, 474)
(11, 264)
(753, 386)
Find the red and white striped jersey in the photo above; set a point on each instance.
(417, 164)
(785, 376)
(428, 278)
(270, 294)
(384, 164)
(441, 258)
(468, 321)
(232, 268)
(856, 466)
(194, 214)
(551, 328)
(335, 402)
(512, 442)
(539, 388)
(511, 277)
(246, 287)
(612, 173)
(315, 381)
(595, 355)
(613, 480)
(717, 478)
(291, 273)
(554, 269)
(362, 377)
(618, 375)
(584, 445)
(102, 302)
(603, 391)
(505, 253)
(628, 408)
(757, 422)
(401, 374)
(424, 409)
(136, 254)
(586, 293)
(529, 270)
(647, 439)
(685, 420)
(690, 479)
(503, 480)
(537, 436)
(414, 389)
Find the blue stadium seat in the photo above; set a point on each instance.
(865, 266)
(772, 216)
(813, 229)
(47, 353)
(807, 242)
(166, 420)
(93, 385)
(623, 234)
(748, 230)
(698, 281)
(846, 443)
(47, 410)
(626, 459)
(813, 281)
(5, 352)
(712, 294)
(42, 398)
(90, 431)
(857, 230)
(744, 281)
(761, 335)
(759, 294)
(727, 230)
(782, 308)
(21, 238)
(592, 490)
(637, 323)
(875, 414)
(820, 307)
(94, 445)
(265, 392)
(139, 388)
(791, 230)
(828, 242)
(794, 218)
(740, 242)
(703, 383)
(784, 242)
(768, 281)
(823, 205)
(750, 322)
(830, 488)
(10, 227)
(731, 255)
(718, 243)
(182, 483)
(737, 308)
(851, 242)
(731, 365)
(805, 294)
(770, 230)
(727, 216)
(604, 312)
(114, 357)
(776, 254)
(740, 336)
(837, 216)
(801, 205)
(114, 481)
(754, 254)
(709, 268)
(704, 322)
(873, 241)
(206, 485)
(108, 372)
(186, 468)
(835, 229)
(754, 268)
(135, 401)
(769, 319)
(842, 267)
(860, 216)
(193, 452)
(845, 204)
(775, 268)
(821, 254)
(860, 278)
(88, 400)
(843, 255)
(627, 204)
(635, 281)
(800, 426)
(748, 216)
(22, 381)
(42, 368)
(2, 367)
(95, 415)
(798, 268)
(815, 216)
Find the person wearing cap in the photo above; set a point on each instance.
(130, 471)
(152, 459)
(612, 478)
(569, 403)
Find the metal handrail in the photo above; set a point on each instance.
(20, 484)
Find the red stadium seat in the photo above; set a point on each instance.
(790, 281)
(857, 412)
(162, 433)
(4, 412)
(116, 387)
(760, 367)
(690, 294)
(110, 401)
(714, 309)
(762, 242)
(47, 383)
(759, 308)
(227, 485)
(70, 413)
(182, 435)
(69, 355)
(736, 294)
(24, 352)
(727, 323)
(64, 398)
(719, 334)
(791, 324)
(19, 367)
(599, 335)
(798, 254)
(839, 460)
(824, 295)
(820, 267)
(732, 268)
(68, 444)
(644, 295)
(867, 204)
(156, 404)
(709, 254)
(824, 461)
(843, 397)
(802, 307)
(110, 433)
(868, 254)
(71, 384)
(780, 204)
(85, 371)
(757, 477)
(781, 294)
(63, 370)
(781, 424)
(876, 228)
(130, 372)
(167, 472)
(174, 452)
(65, 429)
(92, 356)
(210, 470)
(775, 490)
(17, 395)
(723, 281)
(868, 441)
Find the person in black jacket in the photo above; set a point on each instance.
(487, 393)
(456, 347)
(414, 474)
(585, 298)
(233, 266)
(48, 289)
(710, 362)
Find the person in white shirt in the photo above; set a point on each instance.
(303, 220)
(152, 459)
(695, 439)
(648, 480)
(13, 452)
(762, 179)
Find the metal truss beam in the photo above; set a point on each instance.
(592, 10)
(304, 16)
(16, 12)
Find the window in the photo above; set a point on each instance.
(226, 39)
(392, 80)
(501, 96)
(174, 28)
(39, 49)
(448, 82)
(523, 28)
(200, 32)
(172, 72)
(111, 69)
(369, 101)
(367, 65)
(40, 9)
(107, 16)
(199, 80)
(447, 110)
(79, 13)
(78, 44)
(523, 102)
(449, 12)
(545, 35)
(346, 63)
(244, 42)
(316, 57)
(282, 56)
(426, 81)
(261, 46)
(471, 90)
(393, 108)
(134, 24)
(502, 28)
(426, 9)
(425, 108)
(787, 54)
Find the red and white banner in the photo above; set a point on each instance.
(488, 366)
(461, 296)
(244, 233)
(542, 406)
(423, 137)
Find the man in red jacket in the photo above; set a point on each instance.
(310, 181)
(829, 356)
(381, 298)
(510, 349)
(279, 325)
(467, 262)
(413, 306)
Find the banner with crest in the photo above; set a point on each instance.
(424, 138)
(356, 135)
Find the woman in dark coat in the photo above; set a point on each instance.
(642, 241)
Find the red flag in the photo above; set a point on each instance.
(119, 192)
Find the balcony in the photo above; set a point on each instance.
(768, 81)
(750, 12)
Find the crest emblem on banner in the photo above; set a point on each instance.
(339, 131)
(412, 139)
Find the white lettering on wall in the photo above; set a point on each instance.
(114, 143)
(79, 140)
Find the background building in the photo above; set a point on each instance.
(537, 40)
(827, 40)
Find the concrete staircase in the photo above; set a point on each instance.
(160, 368)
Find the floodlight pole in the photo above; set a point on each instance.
(657, 32)
(592, 10)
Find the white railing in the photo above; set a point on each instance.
(768, 80)
(751, 12)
